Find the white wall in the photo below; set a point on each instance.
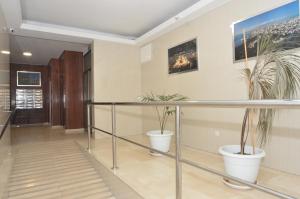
(117, 77)
(4, 65)
(218, 78)
(4, 103)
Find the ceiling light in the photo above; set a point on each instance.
(27, 54)
(5, 52)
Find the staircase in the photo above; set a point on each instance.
(61, 169)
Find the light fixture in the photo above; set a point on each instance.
(5, 52)
(27, 54)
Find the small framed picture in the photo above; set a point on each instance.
(183, 57)
(28, 78)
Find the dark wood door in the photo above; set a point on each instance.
(30, 115)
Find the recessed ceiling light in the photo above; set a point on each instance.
(5, 52)
(27, 54)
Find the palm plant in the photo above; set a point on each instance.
(164, 112)
(275, 75)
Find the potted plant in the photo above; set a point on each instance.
(161, 139)
(275, 75)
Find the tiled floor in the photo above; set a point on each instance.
(154, 177)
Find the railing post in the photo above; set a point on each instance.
(178, 153)
(114, 141)
(89, 126)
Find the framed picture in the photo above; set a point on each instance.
(281, 22)
(183, 57)
(28, 78)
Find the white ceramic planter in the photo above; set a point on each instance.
(245, 167)
(160, 141)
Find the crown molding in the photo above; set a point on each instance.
(75, 32)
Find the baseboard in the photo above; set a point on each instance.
(30, 125)
(74, 131)
(57, 127)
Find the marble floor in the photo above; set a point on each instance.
(31, 134)
(154, 177)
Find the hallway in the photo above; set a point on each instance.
(48, 163)
(151, 99)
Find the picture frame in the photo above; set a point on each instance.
(183, 57)
(280, 21)
(29, 78)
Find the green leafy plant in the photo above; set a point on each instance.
(163, 112)
(275, 75)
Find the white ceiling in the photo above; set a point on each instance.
(135, 22)
(42, 49)
(130, 18)
(47, 27)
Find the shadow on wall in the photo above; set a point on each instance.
(128, 119)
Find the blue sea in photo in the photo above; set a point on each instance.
(282, 21)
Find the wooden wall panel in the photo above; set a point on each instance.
(72, 64)
(62, 107)
(55, 92)
(30, 116)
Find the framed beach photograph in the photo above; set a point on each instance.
(183, 57)
(281, 22)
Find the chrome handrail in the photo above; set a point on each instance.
(7, 122)
(286, 104)
(274, 104)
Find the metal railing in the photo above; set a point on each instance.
(7, 122)
(271, 104)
